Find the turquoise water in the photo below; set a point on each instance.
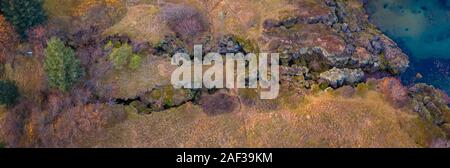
(422, 30)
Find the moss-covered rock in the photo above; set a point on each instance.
(165, 97)
(430, 103)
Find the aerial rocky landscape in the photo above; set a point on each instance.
(340, 84)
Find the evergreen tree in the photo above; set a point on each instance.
(23, 14)
(62, 67)
(8, 93)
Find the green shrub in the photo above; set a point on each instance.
(62, 67)
(135, 62)
(362, 89)
(123, 55)
(8, 93)
(23, 14)
(108, 45)
(323, 85)
(119, 56)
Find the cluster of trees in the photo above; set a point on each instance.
(62, 67)
(64, 111)
(16, 17)
(122, 55)
(63, 120)
(59, 105)
(23, 14)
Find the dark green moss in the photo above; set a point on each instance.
(323, 85)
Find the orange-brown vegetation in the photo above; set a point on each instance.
(84, 6)
(8, 39)
(29, 75)
(324, 120)
(60, 121)
(394, 91)
(101, 13)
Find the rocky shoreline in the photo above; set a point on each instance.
(323, 44)
(339, 82)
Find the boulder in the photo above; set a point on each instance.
(365, 60)
(339, 77)
(304, 39)
(394, 59)
(228, 44)
(430, 103)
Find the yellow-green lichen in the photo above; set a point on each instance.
(247, 44)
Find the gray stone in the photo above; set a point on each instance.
(339, 77)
